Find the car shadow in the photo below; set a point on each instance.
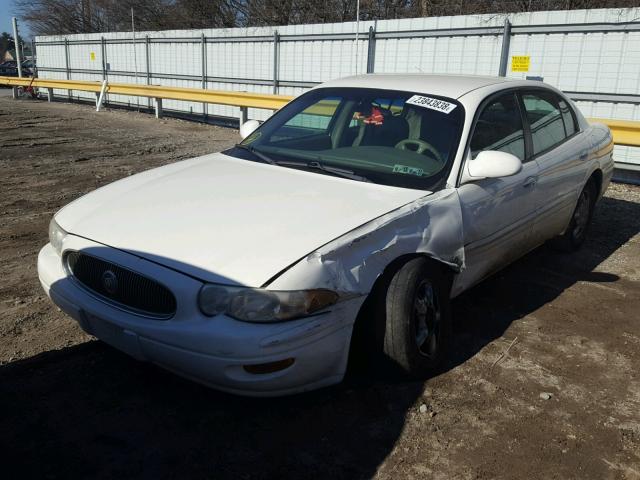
(90, 411)
(484, 312)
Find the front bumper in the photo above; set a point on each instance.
(208, 350)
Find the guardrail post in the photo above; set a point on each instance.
(158, 108)
(14, 93)
(203, 51)
(244, 115)
(371, 50)
(49, 94)
(276, 60)
(504, 54)
(66, 64)
(100, 96)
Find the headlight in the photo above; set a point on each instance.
(262, 306)
(56, 236)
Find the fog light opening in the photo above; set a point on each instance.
(271, 367)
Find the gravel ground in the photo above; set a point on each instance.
(544, 382)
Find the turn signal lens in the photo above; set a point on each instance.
(271, 367)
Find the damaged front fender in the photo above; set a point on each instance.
(350, 264)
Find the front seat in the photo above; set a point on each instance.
(392, 130)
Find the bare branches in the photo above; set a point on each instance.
(86, 16)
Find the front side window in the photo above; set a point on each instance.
(499, 127)
(545, 120)
(389, 137)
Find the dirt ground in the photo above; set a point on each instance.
(71, 407)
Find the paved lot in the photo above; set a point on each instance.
(72, 407)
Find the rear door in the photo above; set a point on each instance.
(561, 152)
(498, 213)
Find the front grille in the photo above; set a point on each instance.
(118, 285)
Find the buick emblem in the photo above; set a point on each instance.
(110, 282)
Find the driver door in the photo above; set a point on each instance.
(498, 213)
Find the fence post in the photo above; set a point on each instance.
(276, 60)
(204, 74)
(34, 57)
(371, 50)
(67, 68)
(147, 46)
(102, 54)
(504, 55)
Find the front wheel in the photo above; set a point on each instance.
(418, 318)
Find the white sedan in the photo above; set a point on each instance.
(339, 228)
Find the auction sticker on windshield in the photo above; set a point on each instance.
(432, 103)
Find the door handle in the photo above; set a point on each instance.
(530, 182)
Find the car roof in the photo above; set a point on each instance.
(452, 86)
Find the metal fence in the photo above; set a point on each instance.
(593, 55)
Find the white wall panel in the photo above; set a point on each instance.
(121, 57)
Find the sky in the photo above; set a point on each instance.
(6, 12)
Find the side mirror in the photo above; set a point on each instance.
(491, 164)
(248, 127)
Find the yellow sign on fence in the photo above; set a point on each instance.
(520, 63)
(92, 56)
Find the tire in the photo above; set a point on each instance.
(576, 232)
(418, 318)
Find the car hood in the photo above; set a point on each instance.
(226, 220)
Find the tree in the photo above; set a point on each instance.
(49, 17)
(7, 44)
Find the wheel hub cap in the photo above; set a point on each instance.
(427, 319)
(581, 215)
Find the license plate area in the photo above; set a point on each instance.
(114, 335)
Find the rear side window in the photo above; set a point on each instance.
(545, 119)
(499, 127)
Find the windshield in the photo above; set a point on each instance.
(389, 137)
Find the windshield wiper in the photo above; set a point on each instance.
(260, 155)
(315, 165)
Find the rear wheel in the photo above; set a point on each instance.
(576, 232)
(418, 318)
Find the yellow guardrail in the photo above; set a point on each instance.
(47, 83)
(625, 132)
(238, 99)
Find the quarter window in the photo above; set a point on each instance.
(545, 120)
(567, 116)
(499, 127)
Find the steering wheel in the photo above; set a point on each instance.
(421, 147)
